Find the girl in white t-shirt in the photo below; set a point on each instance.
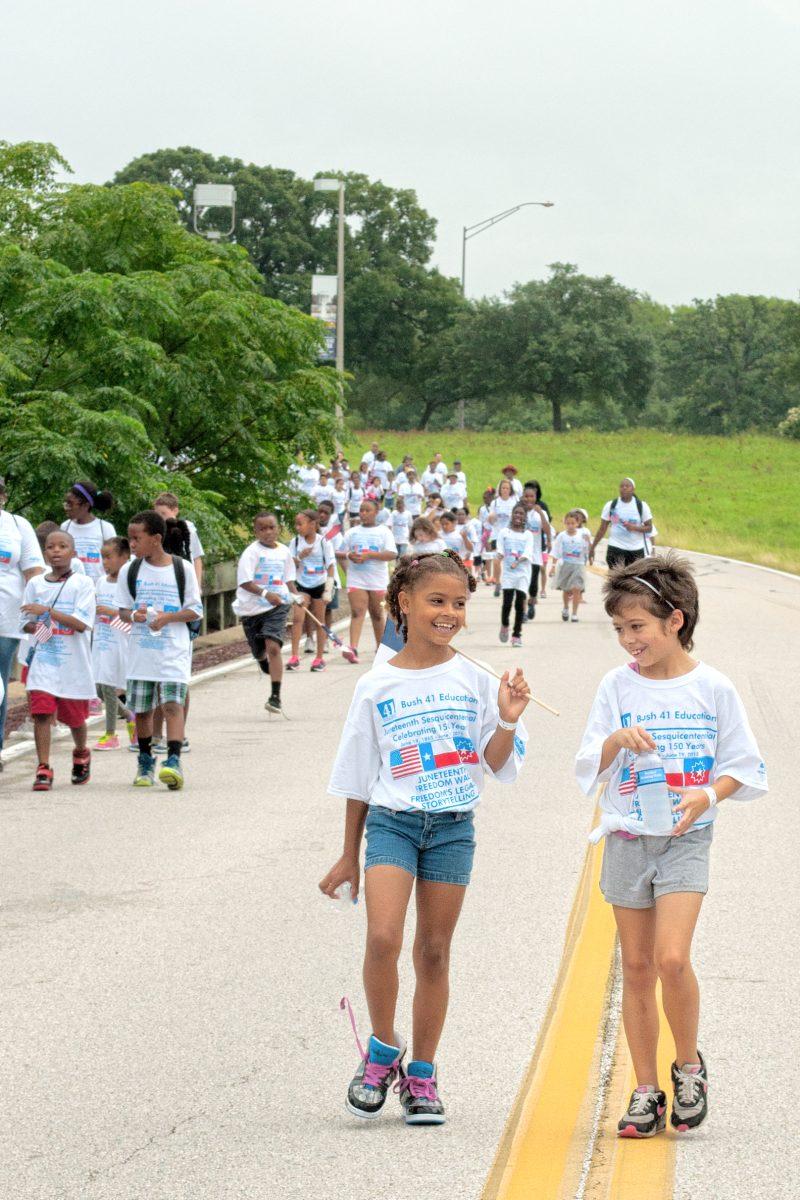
(81, 504)
(110, 645)
(515, 554)
(314, 562)
(690, 715)
(425, 538)
(423, 730)
(486, 553)
(355, 494)
(401, 525)
(455, 536)
(500, 511)
(570, 553)
(366, 552)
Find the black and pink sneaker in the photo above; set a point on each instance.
(690, 1102)
(379, 1067)
(350, 654)
(419, 1095)
(646, 1115)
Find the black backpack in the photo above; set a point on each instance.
(179, 568)
(640, 511)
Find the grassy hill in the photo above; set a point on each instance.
(733, 496)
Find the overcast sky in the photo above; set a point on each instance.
(666, 133)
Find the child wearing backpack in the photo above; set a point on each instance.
(159, 594)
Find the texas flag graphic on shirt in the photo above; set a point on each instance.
(695, 773)
(431, 756)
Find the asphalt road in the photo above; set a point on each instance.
(171, 976)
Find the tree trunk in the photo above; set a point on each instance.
(556, 403)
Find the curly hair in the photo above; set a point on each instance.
(411, 571)
(662, 584)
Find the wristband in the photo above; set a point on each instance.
(510, 726)
(264, 593)
(712, 797)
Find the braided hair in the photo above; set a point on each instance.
(412, 570)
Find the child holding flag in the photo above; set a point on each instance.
(58, 610)
(424, 729)
(666, 701)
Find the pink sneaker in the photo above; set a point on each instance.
(318, 665)
(350, 653)
(293, 664)
(95, 708)
(109, 741)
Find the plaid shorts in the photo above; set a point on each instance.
(142, 695)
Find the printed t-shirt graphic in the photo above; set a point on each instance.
(372, 575)
(165, 656)
(698, 723)
(270, 567)
(503, 508)
(513, 546)
(109, 645)
(62, 665)
(416, 739)
(88, 541)
(19, 551)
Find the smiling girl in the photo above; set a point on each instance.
(666, 701)
(424, 729)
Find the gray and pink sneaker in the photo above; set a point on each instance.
(646, 1115)
(419, 1095)
(350, 653)
(379, 1067)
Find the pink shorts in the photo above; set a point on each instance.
(73, 713)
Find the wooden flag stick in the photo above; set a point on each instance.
(484, 667)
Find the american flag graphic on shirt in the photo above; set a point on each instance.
(118, 623)
(427, 756)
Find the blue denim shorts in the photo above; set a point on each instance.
(438, 847)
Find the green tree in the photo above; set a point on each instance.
(143, 357)
(571, 339)
(725, 363)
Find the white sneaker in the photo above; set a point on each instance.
(310, 646)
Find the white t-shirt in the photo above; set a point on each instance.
(516, 486)
(415, 740)
(381, 468)
(109, 646)
(312, 571)
(165, 656)
(354, 497)
(503, 508)
(339, 498)
(308, 477)
(62, 665)
(698, 723)
(413, 494)
(322, 491)
(418, 548)
(332, 532)
(368, 457)
(474, 532)
(400, 477)
(454, 540)
(383, 516)
(515, 546)
(536, 528)
(270, 567)
(401, 527)
(373, 575)
(618, 535)
(453, 495)
(571, 548)
(19, 551)
(195, 545)
(88, 541)
(432, 480)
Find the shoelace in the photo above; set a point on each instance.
(374, 1073)
(421, 1089)
(640, 1103)
(689, 1088)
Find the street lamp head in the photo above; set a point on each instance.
(214, 195)
(327, 185)
(549, 204)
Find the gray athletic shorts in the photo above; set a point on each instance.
(636, 872)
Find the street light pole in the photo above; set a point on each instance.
(340, 283)
(471, 231)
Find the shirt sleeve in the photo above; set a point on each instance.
(555, 550)
(605, 515)
(195, 545)
(603, 720)
(737, 752)
(28, 597)
(30, 554)
(391, 544)
(646, 514)
(491, 715)
(85, 601)
(358, 763)
(191, 595)
(123, 597)
(290, 572)
(247, 566)
(328, 557)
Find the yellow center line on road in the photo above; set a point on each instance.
(552, 1129)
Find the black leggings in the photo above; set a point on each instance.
(533, 587)
(518, 598)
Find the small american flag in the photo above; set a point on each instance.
(627, 784)
(406, 761)
(43, 632)
(122, 626)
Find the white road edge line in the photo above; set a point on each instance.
(236, 664)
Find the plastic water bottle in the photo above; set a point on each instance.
(344, 896)
(653, 794)
(152, 613)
